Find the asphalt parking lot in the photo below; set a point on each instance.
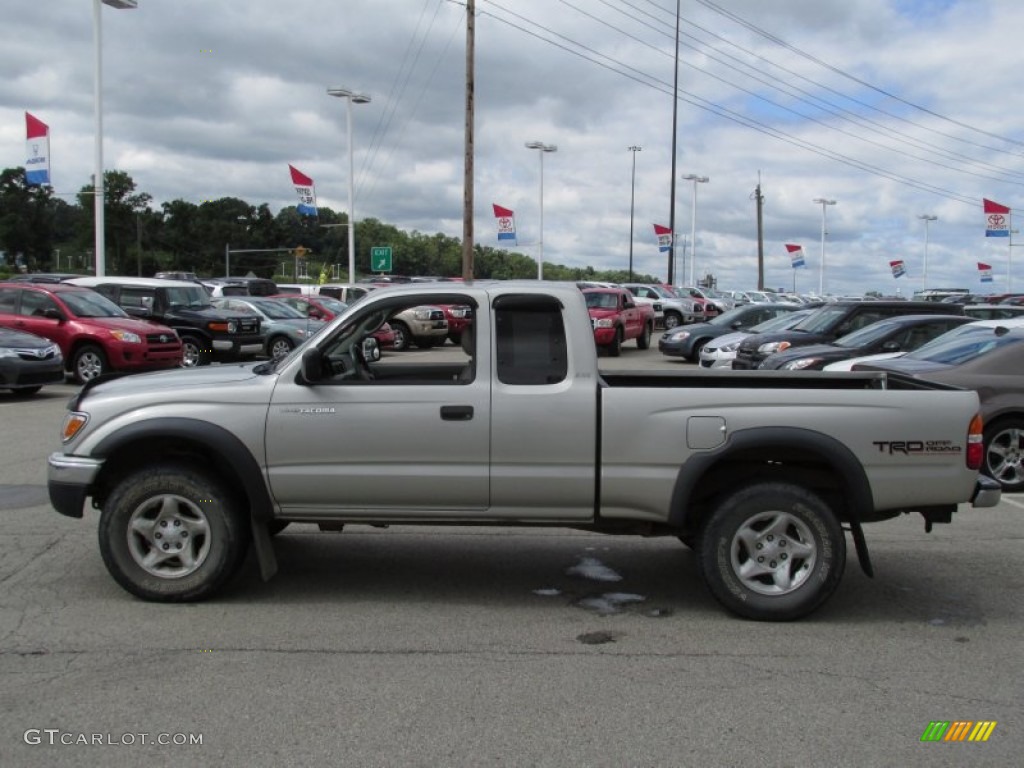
(488, 646)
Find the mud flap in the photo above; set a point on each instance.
(861, 544)
(264, 549)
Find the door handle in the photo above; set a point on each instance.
(456, 412)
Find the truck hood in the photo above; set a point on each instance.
(202, 380)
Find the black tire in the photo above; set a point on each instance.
(194, 351)
(279, 346)
(274, 527)
(403, 339)
(672, 320)
(183, 511)
(698, 345)
(643, 341)
(1004, 453)
(796, 535)
(88, 362)
(615, 347)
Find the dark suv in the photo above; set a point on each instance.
(828, 323)
(206, 332)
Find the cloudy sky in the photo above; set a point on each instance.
(893, 108)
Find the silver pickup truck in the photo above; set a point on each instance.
(762, 473)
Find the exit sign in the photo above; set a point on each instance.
(380, 258)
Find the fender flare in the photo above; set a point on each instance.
(831, 451)
(219, 440)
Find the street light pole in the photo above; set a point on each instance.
(98, 184)
(926, 218)
(632, 200)
(693, 221)
(358, 98)
(542, 147)
(821, 269)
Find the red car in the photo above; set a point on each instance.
(459, 317)
(95, 335)
(617, 318)
(325, 308)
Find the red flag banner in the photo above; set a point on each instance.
(997, 219)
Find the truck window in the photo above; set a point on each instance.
(530, 341)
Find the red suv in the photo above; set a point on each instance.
(95, 335)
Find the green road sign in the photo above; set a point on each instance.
(380, 258)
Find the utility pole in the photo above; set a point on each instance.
(672, 195)
(760, 233)
(467, 179)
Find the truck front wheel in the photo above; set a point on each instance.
(772, 552)
(615, 345)
(171, 533)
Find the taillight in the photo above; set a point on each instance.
(975, 443)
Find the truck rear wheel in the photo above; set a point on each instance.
(1004, 453)
(772, 552)
(672, 320)
(643, 341)
(171, 533)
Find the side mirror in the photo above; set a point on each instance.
(316, 314)
(54, 314)
(891, 346)
(371, 350)
(629, 304)
(312, 368)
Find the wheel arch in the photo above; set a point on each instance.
(810, 459)
(80, 342)
(192, 440)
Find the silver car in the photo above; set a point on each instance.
(285, 327)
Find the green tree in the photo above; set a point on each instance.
(26, 220)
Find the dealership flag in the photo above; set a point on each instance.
(37, 166)
(898, 268)
(985, 272)
(506, 218)
(796, 255)
(997, 219)
(305, 190)
(664, 235)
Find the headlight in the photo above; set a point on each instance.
(604, 322)
(128, 336)
(5, 352)
(679, 336)
(54, 350)
(773, 346)
(729, 347)
(422, 314)
(799, 365)
(232, 327)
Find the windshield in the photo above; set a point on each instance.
(663, 292)
(779, 322)
(729, 317)
(602, 300)
(91, 304)
(869, 334)
(276, 310)
(821, 320)
(333, 305)
(711, 293)
(188, 298)
(962, 344)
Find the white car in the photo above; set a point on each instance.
(719, 353)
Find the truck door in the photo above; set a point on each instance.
(543, 412)
(403, 437)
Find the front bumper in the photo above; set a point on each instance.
(68, 479)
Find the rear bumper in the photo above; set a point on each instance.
(987, 492)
